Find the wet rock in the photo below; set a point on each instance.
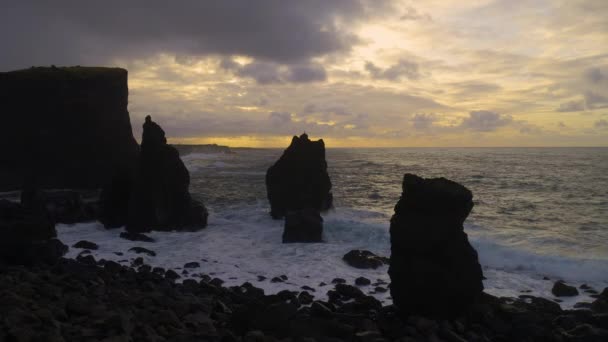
(364, 259)
(434, 269)
(305, 225)
(560, 289)
(308, 288)
(261, 278)
(338, 281)
(140, 250)
(193, 264)
(601, 303)
(276, 280)
(136, 237)
(63, 206)
(305, 298)
(299, 179)
(362, 281)
(172, 275)
(83, 244)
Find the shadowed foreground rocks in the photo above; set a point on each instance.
(299, 179)
(27, 236)
(156, 196)
(104, 301)
(433, 268)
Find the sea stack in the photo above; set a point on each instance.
(156, 195)
(64, 128)
(434, 269)
(299, 179)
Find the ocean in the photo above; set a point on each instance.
(541, 214)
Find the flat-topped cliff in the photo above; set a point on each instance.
(64, 127)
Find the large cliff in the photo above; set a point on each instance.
(64, 127)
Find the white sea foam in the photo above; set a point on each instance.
(239, 245)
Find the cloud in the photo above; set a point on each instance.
(269, 72)
(594, 75)
(411, 13)
(485, 121)
(595, 101)
(423, 121)
(403, 69)
(77, 32)
(571, 106)
(601, 124)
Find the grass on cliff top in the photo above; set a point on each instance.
(63, 72)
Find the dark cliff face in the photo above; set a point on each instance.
(64, 127)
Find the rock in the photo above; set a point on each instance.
(140, 250)
(600, 304)
(83, 244)
(299, 179)
(434, 269)
(153, 196)
(159, 197)
(28, 236)
(69, 127)
(261, 278)
(308, 288)
(172, 275)
(136, 237)
(305, 298)
(364, 259)
(193, 264)
(305, 225)
(380, 289)
(276, 280)
(582, 305)
(560, 289)
(362, 281)
(338, 281)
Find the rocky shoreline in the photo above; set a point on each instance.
(98, 300)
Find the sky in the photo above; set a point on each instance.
(357, 73)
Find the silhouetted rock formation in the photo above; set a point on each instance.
(299, 179)
(433, 268)
(304, 225)
(64, 127)
(27, 235)
(156, 196)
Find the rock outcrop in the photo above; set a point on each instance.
(433, 268)
(304, 225)
(27, 236)
(155, 196)
(63, 206)
(64, 127)
(364, 259)
(299, 179)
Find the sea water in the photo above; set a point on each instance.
(541, 214)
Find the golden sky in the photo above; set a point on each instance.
(367, 73)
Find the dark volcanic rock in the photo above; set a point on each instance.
(27, 235)
(362, 281)
(434, 269)
(304, 225)
(140, 250)
(67, 127)
(364, 259)
(299, 179)
(560, 289)
(155, 196)
(136, 237)
(86, 245)
(601, 303)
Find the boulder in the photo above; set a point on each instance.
(304, 225)
(155, 196)
(560, 289)
(364, 259)
(299, 179)
(64, 127)
(434, 269)
(27, 236)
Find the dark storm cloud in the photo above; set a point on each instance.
(485, 121)
(270, 72)
(423, 121)
(403, 69)
(82, 32)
